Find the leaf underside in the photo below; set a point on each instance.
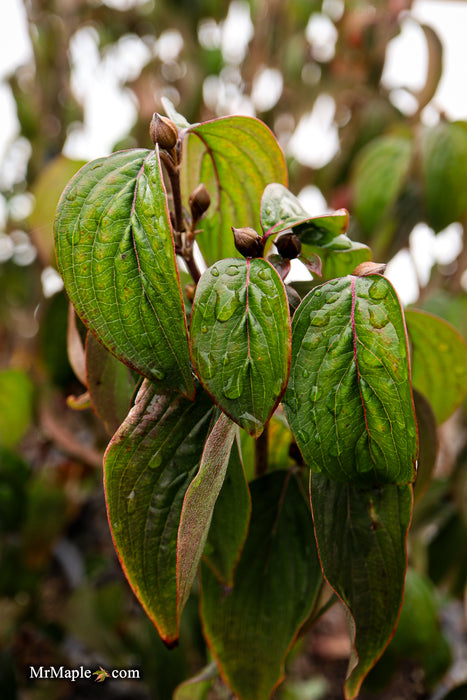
(116, 254)
(240, 339)
(148, 467)
(361, 534)
(349, 401)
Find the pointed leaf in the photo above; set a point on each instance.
(148, 467)
(240, 339)
(110, 383)
(251, 627)
(349, 400)
(235, 157)
(361, 535)
(229, 526)
(199, 502)
(439, 361)
(197, 688)
(116, 255)
(280, 209)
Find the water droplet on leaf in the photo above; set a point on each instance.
(227, 302)
(315, 393)
(378, 289)
(232, 270)
(321, 318)
(214, 272)
(378, 318)
(302, 436)
(158, 374)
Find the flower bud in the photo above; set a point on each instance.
(369, 268)
(199, 202)
(248, 242)
(163, 132)
(288, 245)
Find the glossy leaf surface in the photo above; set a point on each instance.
(349, 400)
(280, 209)
(229, 525)
(116, 255)
(361, 535)
(110, 383)
(439, 362)
(251, 627)
(240, 339)
(235, 157)
(323, 237)
(148, 467)
(199, 502)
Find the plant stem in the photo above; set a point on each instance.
(261, 452)
(173, 171)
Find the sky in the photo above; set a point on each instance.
(98, 84)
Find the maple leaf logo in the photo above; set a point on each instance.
(101, 675)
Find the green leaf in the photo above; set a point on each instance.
(339, 257)
(428, 441)
(199, 502)
(230, 519)
(240, 339)
(378, 178)
(361, 535)
(116, 255)
(197, 688)
(110, 384)
(439, 362)
(349, 401)
(280, 210)
(16, 405)
(235, 157)
(148, 467)
(444, 171)
(46, 190)
(251, 627)
(322, 236)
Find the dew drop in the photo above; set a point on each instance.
(71, 197)
(204, 329)
(131, 502)
(315, 393)
(306, 373)
(369, 359)
(378, 289)
(311, 341)
(156, 461)
(214, 272)
(158, 374)
(264, 274)
(378, 318)
(234, 386)
(317, 292)
(321, 318)
(232, 270)
(302, 436)
(411, 431)
(227, 302)
(95, 166)
(332, 299)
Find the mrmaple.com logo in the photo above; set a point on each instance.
(75, 674)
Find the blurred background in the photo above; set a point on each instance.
(369, 103)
